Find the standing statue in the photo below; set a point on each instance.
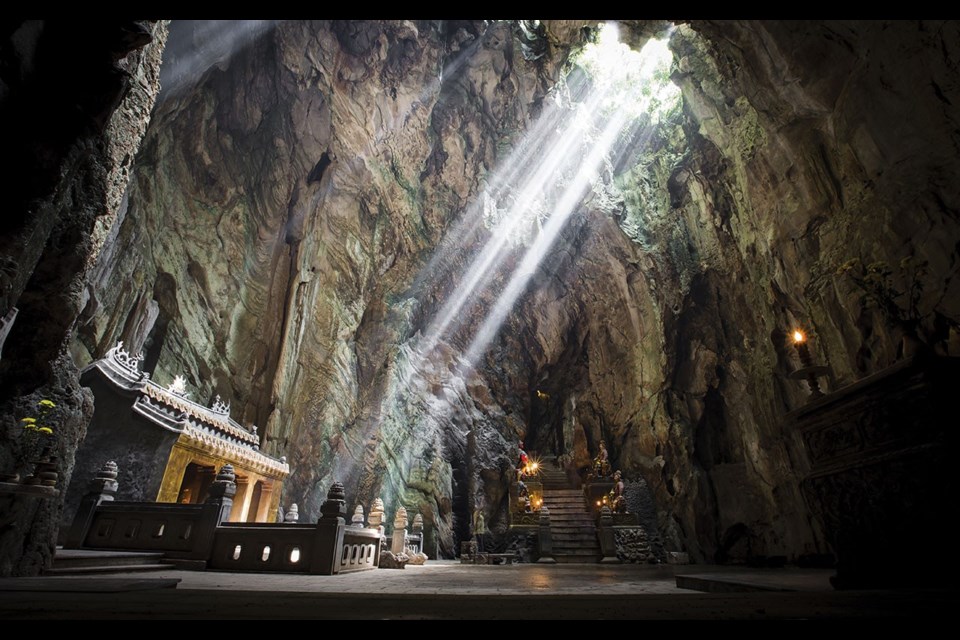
(479, 528)
(618, 502)
(601, 465)
(522, 461)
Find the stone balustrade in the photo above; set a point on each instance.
(200, 532)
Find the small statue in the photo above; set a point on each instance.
(479, 529)
(601, 465)
(618, 503)
(522, 461)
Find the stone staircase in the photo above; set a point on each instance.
(572, 526)
(79, 562)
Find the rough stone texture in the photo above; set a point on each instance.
(281, 213)
(277, 251)
(633, 545)
(74, 102)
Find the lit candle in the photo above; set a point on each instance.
(800, 342)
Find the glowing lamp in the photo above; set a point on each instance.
(800, 342)
(808, 371)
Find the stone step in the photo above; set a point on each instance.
(589, 540)
(570, 532)
(578, 500)
(573, 527)
(576, 503)
(586, 542)
(78, 558)
(96, 570)
(571, 519)
(79, 562)
(577, 553)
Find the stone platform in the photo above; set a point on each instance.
(449, 590)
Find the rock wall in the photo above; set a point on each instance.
(75, 102)
(300, 215)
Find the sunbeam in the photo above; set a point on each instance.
(546, 178)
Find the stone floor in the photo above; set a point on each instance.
(449, 590)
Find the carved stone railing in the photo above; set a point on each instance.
(361, 550)
(293, 548)
(879, 471)
(178, 530)
(183, 531)
(327, 547)
(200, 533)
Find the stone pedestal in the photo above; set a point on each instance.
(102, 488)
(608, 541)
(545, 538)
(20, 506)
(468, 551)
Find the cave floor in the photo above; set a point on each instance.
(450, 590)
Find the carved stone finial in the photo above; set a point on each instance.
(293, 514)
(226, 473)
(108, 471)
(124, 359)
(179, 386)
(418, 523)
(224, 485)
(357, 519)
(335, 506)
(105, 482)
(336, 492)
(376, 514)
(400, 520)
(220, 407)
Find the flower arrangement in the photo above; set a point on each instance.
(38, 432)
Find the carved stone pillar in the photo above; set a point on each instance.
(102, 488)
(546, 538)
(329, 540)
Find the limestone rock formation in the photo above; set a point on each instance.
(299, 216)
(75, 99)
